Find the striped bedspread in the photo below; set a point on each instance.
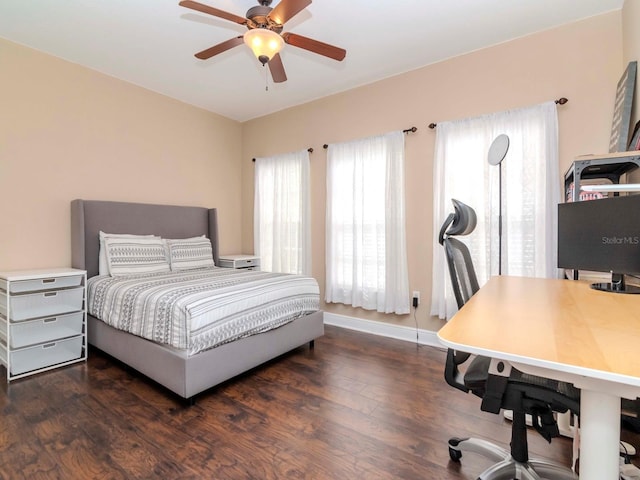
(201, 309)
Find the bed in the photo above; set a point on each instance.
(174, 368)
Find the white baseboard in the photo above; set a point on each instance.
(399, 332)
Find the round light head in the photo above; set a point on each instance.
(498, 149)
(264, 43)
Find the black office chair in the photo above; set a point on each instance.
(498, 384)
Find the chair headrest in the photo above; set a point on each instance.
(461, 222)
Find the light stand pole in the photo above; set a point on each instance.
(497, 152)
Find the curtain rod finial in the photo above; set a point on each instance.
(562, 101)
(433, 125)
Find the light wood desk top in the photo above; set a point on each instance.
(562, 329)
(556, 324)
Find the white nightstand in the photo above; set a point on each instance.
(42, 320)
(240, 262)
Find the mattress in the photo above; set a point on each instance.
(201, 309)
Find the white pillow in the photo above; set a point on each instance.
(190, 253)
(167, 240)
(133, 256)
(103, 264)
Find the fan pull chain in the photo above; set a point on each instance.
(266, 79)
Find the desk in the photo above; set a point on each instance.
(564, 330)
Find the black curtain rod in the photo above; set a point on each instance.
(560, 101)
(310, 150)
(408, 130)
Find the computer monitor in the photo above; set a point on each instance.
(603, 236)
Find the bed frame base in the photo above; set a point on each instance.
(187, 376)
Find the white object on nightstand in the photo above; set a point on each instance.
(42, 320)
(245, 262)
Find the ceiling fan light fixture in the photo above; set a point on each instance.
(264, 43)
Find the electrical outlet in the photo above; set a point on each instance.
(416, 299)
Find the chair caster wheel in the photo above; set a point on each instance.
(455, 455)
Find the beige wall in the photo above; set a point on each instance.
(69, 132)
(631, 45)
(581, 61)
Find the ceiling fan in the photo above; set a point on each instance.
(264, 36)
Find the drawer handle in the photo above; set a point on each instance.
(49, 345)
(49, 320)
(49, 280)
(51, 294)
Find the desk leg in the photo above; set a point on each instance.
(599, 436)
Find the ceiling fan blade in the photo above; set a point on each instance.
(315, 46)
(277, 69)
(200, 7)
(287, 9)
(221, 47)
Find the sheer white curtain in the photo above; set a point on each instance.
(281, 222)
(366, 240)
(530, 194)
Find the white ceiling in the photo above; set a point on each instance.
(151, 43)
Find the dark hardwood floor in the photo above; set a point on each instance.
(357, 406)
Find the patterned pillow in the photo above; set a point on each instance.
(133, 256)
(103, 263)
(190, 253)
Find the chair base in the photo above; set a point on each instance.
(506, 467)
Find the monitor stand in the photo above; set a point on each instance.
(617, 285)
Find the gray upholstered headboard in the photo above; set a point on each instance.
(88, 217)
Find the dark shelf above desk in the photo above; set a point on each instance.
(609, 167)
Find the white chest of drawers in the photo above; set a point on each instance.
(42, 320)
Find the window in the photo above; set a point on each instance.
(365, 241)
(282, 237)
(530, 194)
